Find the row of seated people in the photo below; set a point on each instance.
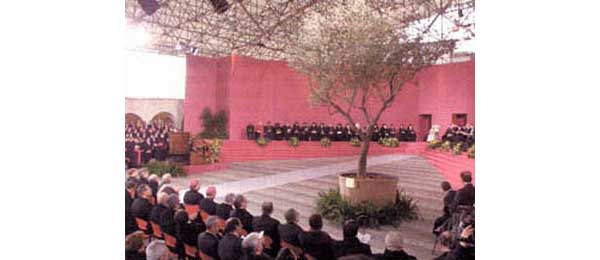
(146, 142)
(455, 229)
(200, 228)
(460, 134)
(315, 132)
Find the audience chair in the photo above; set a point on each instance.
(142, 224)
(156, 232)
(191, 252)
(204, 256)
(203, 215)
(191, 209)
(296, 250)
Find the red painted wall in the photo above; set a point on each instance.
(255, 90)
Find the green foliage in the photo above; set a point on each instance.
(446, 146)
(161, 167)
(325, 142)
(214, 151)
(294, 141)
(332, 206)
(389, 142)
(471, 152)
(434, 144)
(457, 148)
(354, 141)
(215, 126)
(261, 141)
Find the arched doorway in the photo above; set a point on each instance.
(164, 118)
(133, 119)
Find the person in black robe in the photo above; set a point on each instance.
(287, 131)
(375, 134)
(142, 205)
(314, 132)
(130, 225)
(394, 248)
(348, 132)
(315, 242)
(160, 207)
(411, 135)
(289, 231)
(230, 246)
(268, 130)
(393, 131)
(269, 225)
(259, 131)
(384, 131)
(192, 196)
(296, 130)
(241, 213)
(304, 132)
(466, 195)
(224, 209)
(130, 152)
(339, 133)
(278, 132)
(402, 133)
(167, 216)
(187, 230)
(440, 222)
(350, 245)
(208, 241)
(330, 132)
(208, 204)
(321, 130)
(250, 132)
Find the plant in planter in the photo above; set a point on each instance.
(161, 167)
(214, 126)
(354, 141)
(390, 142)
(261, 141)
(294, 141)
(471, 152)
(357, 57)
(457, 148)
(446, 146)
(434, 144)
(325, 142)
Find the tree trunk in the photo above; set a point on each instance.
(364, 150)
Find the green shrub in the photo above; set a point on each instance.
(215, 126)
(161, 167)
(446, 146)
(294, 141)
(457, 149)
(434, 144)
(261, 141)
(325, 142)
(389, 142)
(471, 152)
(333, 207)
(354, 141)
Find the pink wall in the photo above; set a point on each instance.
(254, 90)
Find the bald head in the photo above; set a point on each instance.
(394, 241)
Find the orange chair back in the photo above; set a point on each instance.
(267, 241)
(142, 224)
(191, 209)
(309, 257)
(191, 252)
(221, 223)
(204, 256)
(156, 230)
(204, 215)
(296, 250)
(171, 241)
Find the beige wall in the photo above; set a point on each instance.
(147, 108)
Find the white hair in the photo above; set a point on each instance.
(156, 250)
(394, 241)
(252, 240)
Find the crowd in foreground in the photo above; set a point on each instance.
(314, 132)
(160, 226)
(145, 142)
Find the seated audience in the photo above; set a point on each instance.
(268, 225)
(224, 209)
(134, 246)
(448, 207)
(241, 213)
(208, 204)
(130, 225)
(192, 196)
(252, 247)
(350, 245)
(157, 250)
(186, 230)
(355, 257)
(142, 205)
(315, 242)
(394, 248)
(153, 182)
(208, 241)
(166, 179)
(290, 231)
(466, 246)
(230, 246)
(160, 207)
(444, 242)
(466, 195)
(167, 216)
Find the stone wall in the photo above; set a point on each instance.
(148, 108)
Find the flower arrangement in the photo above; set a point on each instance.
(471, 152)
(434, 144)
(332, 206)
(209, 150)
(446, 146)
(389, 142)
(354, 141)
(261, 141)
(294, 141)
(325, 142)
(457, 148)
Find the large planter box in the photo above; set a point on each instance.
(377, 188)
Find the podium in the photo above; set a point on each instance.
(179, 143)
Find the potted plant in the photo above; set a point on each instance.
(294, 141)
(325, 142)
(357, 57)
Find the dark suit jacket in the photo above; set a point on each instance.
(245, 217)
(350, 246)
(394, 255)
(289, 233)
(208, 243)
(230, 247)
(167, 221)
(465, 196)
(209, 206)
(318, 244)
(192, 197)
(269, 226)
(130, 225)
(449, 201)
(224, 211)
